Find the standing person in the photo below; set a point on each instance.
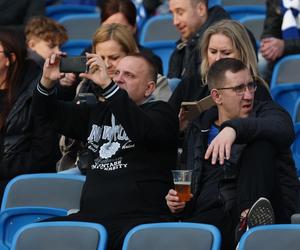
(15, 14)
(26, 142)
(191, 18)
(280, 36)
(131, 142)
(224, 39)
(237, 158)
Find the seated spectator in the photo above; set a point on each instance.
(124, 12)
(226, 38)
(280, 36)
(26, 142)
(15, 14)
(44, 37)
(237, 157)
(131, 142)
(191, 18)
(111, 42)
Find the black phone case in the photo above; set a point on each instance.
(73, 64)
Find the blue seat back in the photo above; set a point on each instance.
(164, 50)
(159, 28)
(237, 12)
(12, 219)
(61, 10)
(61, 235)
(254, 23)
(275, 237)
(81, 26)
(173, 235)
(44, 190)
(76, 47)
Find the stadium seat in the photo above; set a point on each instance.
(275, 237)
(61, 10)
(243, 2)
(254, 23)
(164, 50)
(285, 82)
(159, 28)
(81, 26)
(237, 12)
(44, 190)
(76, 47)
(173, 235)
(61, 236)
(12, 219)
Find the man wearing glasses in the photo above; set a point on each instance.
(239, 153)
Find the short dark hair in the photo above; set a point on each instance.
(216, 73)
(111, 7)
(151, 63)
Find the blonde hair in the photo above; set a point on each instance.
(238, 34)
(116, 32)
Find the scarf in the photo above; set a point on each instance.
(290, 27)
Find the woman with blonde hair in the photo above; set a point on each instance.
(226, 38)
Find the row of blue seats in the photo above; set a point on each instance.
(18, 230)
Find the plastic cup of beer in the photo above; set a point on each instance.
(182, 180)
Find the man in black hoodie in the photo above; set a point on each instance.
(131, 142)
(191, 18)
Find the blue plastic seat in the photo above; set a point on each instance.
(43, 190)
(164, 50)
(285, 82)
(275, 237)
(159, 28)
(58, 11)
(237, 12)
(12, 219)
(61, 235)
(173, 235)
(254, 23)
(81, 26)
(76, 47)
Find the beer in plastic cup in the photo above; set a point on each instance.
(182, 180)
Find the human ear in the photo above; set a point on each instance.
(31, 44)
(216, 96)
(150, 88)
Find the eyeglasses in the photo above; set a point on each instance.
(241, 89)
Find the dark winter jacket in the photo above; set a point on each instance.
(272, 27)
(132, 150)
(187, 54)
(15, 14)
(27, 141)
(257, 126)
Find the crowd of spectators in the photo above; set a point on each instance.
(122, 126)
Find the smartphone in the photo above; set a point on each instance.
(73, 64)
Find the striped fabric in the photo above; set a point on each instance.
(290, 10)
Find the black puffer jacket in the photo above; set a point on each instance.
(272, 27)
(27, 143)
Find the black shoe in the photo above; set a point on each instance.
(261, 213)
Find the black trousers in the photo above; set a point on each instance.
(257, 177)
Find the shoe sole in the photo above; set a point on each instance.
(261, 213)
